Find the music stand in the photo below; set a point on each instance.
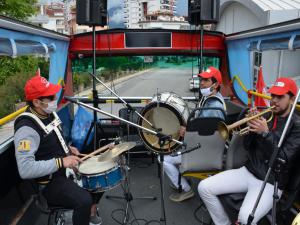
(162, 140)
(95, 92)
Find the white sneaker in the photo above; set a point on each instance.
(179, 197)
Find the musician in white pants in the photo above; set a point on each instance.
(210, 81)
(260, 144)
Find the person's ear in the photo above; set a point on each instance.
(214, 86)
(292, 99)
(36, 102)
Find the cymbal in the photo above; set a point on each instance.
(116, 151)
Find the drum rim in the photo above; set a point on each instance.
(178, 115)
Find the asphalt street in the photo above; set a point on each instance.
(149, 84)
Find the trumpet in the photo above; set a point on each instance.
(225, 130)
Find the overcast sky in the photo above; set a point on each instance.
(115, 10)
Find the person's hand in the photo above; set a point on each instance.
(74, 150)
(258, 125)
(182, 131)
(251, 112)
(111, 145)
(71, 161)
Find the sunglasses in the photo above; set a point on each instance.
(51, 98)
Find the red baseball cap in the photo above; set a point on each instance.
(283, 85)
(212, 72)
(38, 87)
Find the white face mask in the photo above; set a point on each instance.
(207, 91)
(52, 106)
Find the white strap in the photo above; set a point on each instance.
(56, 122)
(39, 122)
(53, 126)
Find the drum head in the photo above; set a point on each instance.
(93, 166)
(165, 117)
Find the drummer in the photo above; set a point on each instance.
(44, 157)
(210, 82)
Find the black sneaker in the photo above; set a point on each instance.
(96, 219)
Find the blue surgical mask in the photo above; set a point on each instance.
(207, 91)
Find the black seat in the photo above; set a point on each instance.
(209, 158)
(131, 133)
(55, 213)
(205, 126)
(128, 131)
(290, 194)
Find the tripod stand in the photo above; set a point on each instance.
(126, 191)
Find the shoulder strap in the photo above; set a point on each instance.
(53, 126)
(36, 119)
(217, 98)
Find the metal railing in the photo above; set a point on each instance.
(12, 116)
(252, 93)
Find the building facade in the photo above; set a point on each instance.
(240, 15)
(137, 12)
(50, 16)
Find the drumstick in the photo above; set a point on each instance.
(95, 152)
(81, 154)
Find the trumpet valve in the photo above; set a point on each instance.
(244, 131)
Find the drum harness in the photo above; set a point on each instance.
(53, 126)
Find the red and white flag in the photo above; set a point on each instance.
(261, 88)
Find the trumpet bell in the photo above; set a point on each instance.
(236, 127)
(223, 130)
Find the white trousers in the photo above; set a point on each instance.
(171, 169)
(235, 181)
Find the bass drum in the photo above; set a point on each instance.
(296, 221)
(167, 111)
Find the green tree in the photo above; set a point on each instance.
(18, 9)
(12, 93)
(25, 64)
(13, 75)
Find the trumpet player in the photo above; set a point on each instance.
(260, 143)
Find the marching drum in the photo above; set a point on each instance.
(167, 111)
(99, 176)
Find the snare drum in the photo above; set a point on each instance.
(168, 112)
(100, 176)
